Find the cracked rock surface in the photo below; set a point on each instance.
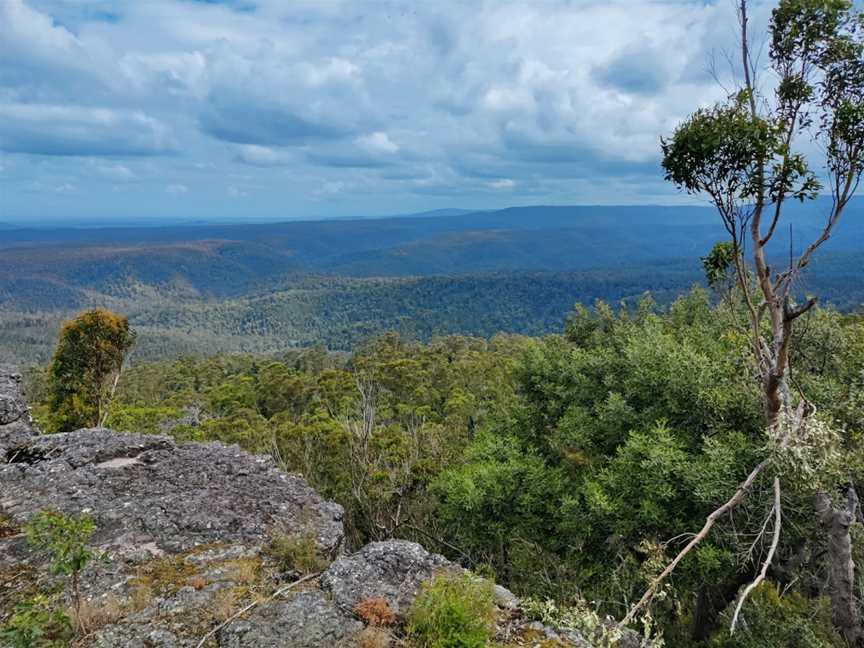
(146, 491)
(15, 426)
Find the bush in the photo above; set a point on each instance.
(769, 620)
(452, 612)
(64, 539)
(37, 623)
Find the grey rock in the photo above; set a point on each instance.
(15, 423)
(392, 570)
(504, 598)
(307, 620)
(135, 637)
(146, 491)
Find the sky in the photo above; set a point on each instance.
(273, 109)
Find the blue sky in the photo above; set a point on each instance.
(267, 109)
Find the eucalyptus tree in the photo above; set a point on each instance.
(746, 155)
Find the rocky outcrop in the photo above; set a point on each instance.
(185, 531)
(15, 424)
(146, 493)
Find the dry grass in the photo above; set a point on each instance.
(196, 581)
(225, 605)
(371, 637)
(295, 553)
(94, 614)
(244, 571)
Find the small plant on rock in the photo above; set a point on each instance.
(64, 538)
(375, 612)
(293, 553)
(453, 611)
(36, 623)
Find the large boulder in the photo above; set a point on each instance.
(392, 570)
(145, 491)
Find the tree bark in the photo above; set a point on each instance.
(841, 570)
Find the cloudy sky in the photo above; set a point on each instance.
(278, 109)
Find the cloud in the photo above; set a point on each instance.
(377, 142)
(257, 98)
(70, 130)
(350, 101)
(262, 156)
(115, 172)
(176, 189)
(503, 183)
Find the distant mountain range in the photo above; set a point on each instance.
(457, 271)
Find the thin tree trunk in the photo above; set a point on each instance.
(841, 570)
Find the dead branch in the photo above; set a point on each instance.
(768, 559)
(717, 513)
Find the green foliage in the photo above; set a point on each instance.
(718, 265)
(452, 612)
(773, 621)
(89, 355)
(581, 617)
(562, 465)
(37, 623)
(63, 537)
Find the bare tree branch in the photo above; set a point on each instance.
(768, 559)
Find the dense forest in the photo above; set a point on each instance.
(567, 466)
(262, 288)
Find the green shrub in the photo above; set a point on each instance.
(769, 620)
(64, 539)
(452, 612)
(37, 623)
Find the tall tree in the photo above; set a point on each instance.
(744, 155)
(86, 366)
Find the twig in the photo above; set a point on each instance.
(764, 571)
(278, 592)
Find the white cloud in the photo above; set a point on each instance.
(447, 99)
(503, 183)
(76, 130)
(377, 142)
(176, 189)
(262, 156)
(115, 172)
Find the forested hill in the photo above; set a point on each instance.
(264, 287)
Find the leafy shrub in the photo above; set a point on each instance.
(769, 620)
(452, 612)
(64, 539)
(37, 623)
